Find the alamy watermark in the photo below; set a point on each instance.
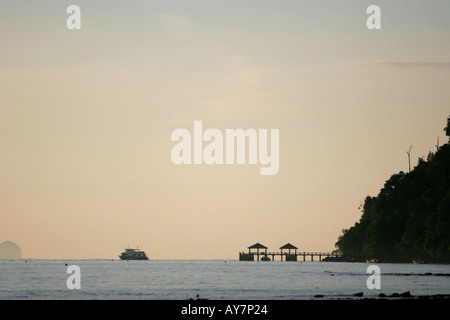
(374, 281)
(73, 22)
(227, 149)
(74, 280)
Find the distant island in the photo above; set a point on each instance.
(410, 217)
(10, 250)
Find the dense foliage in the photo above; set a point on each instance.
(408, 219)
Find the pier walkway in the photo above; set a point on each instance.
(290, 254)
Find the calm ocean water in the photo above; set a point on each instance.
(214, 280)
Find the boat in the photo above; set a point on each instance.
(372, 260)
(418, 261)
(133, 254)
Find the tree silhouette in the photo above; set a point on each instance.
(447, 128)
(409, 158)
(409, 218)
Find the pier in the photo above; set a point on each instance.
(290, 254)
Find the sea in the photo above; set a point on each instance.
(103, 279)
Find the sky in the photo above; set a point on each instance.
(86, 118)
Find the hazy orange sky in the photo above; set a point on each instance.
(86, 118)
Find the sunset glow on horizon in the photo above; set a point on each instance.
(86, 118)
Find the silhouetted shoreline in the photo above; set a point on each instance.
(395, 295)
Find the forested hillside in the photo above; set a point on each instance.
(409, 218)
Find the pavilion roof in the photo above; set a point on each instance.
(257, 246)
(288, 246)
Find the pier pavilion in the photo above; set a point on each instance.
(250, 256)
(289, 256)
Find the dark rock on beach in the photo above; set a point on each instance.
(394, 295)
(406, 294)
